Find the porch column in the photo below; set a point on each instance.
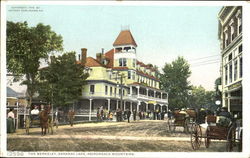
(146, 106)
(154, 94)
(108, 104)
(124, 105)
(138, 105)
(117, 104)
(138, 91)
(228, 99)
(161, 107)
(131, 106)
(131, 90)
(154, 106)
(90, 107)
(147, 92)
(161, 95)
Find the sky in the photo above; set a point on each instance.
(162, 33)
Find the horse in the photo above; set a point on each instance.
(44, 117)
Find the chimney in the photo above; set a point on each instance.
(99, 57)
(102, 50)
(84, 55)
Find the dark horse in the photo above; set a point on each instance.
(44, 117)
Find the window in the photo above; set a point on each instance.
(232, 32)
(106, 90)
(235, 70)
(133, 75)
(115, 92)
(240, 48)
(230, 57)
(129, 74)
(111, 91)
(226, 39)
(110, 75)
(240, 67)
(92, 89)
(122, 62)
(239, 25)
(119, 91)
(230, 72)
(226, 77)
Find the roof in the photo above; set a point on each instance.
(141, 84)
(110, 55)
(120, 68)
(147, 75)
(124, 38)
(12, 93)
(146, 66)
(91, 62)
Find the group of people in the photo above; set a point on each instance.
(201, 114)
(103, 114)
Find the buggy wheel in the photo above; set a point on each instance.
(186, 126)
(171, 125)
(207, 140)
(231, 143)
(196, 136)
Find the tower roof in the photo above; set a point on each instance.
(124, 38)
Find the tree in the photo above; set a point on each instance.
(174, 81)
(62, 81)
(201, 98)
(25, 47)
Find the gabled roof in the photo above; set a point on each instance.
(124, 38)
(91, 62)
(110, 55)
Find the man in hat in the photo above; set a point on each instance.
(35, 111)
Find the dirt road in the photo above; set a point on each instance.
(151, 136)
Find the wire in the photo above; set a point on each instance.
(204, 57)
(203, 64)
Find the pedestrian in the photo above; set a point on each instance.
(98, 114)
(56, 118)
(128, 114)
(71, 116)
(11, 121)
(134, 114)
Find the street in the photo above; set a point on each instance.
(137, 136)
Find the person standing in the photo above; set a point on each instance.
(128, 114)
(134, 114)
(11, 122)
(71, 116)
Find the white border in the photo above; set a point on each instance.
(246, 74)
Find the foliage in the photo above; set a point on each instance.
(200, 98)
(25, 47)
(62, 80)
(174, 81)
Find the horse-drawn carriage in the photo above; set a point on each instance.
(42, 119)
(217, 128)
(182, 118)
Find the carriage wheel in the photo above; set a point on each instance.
(207, 140)
(196, 136)
(171, 126)
(240, 142)
(231, 143)
(186, 126)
